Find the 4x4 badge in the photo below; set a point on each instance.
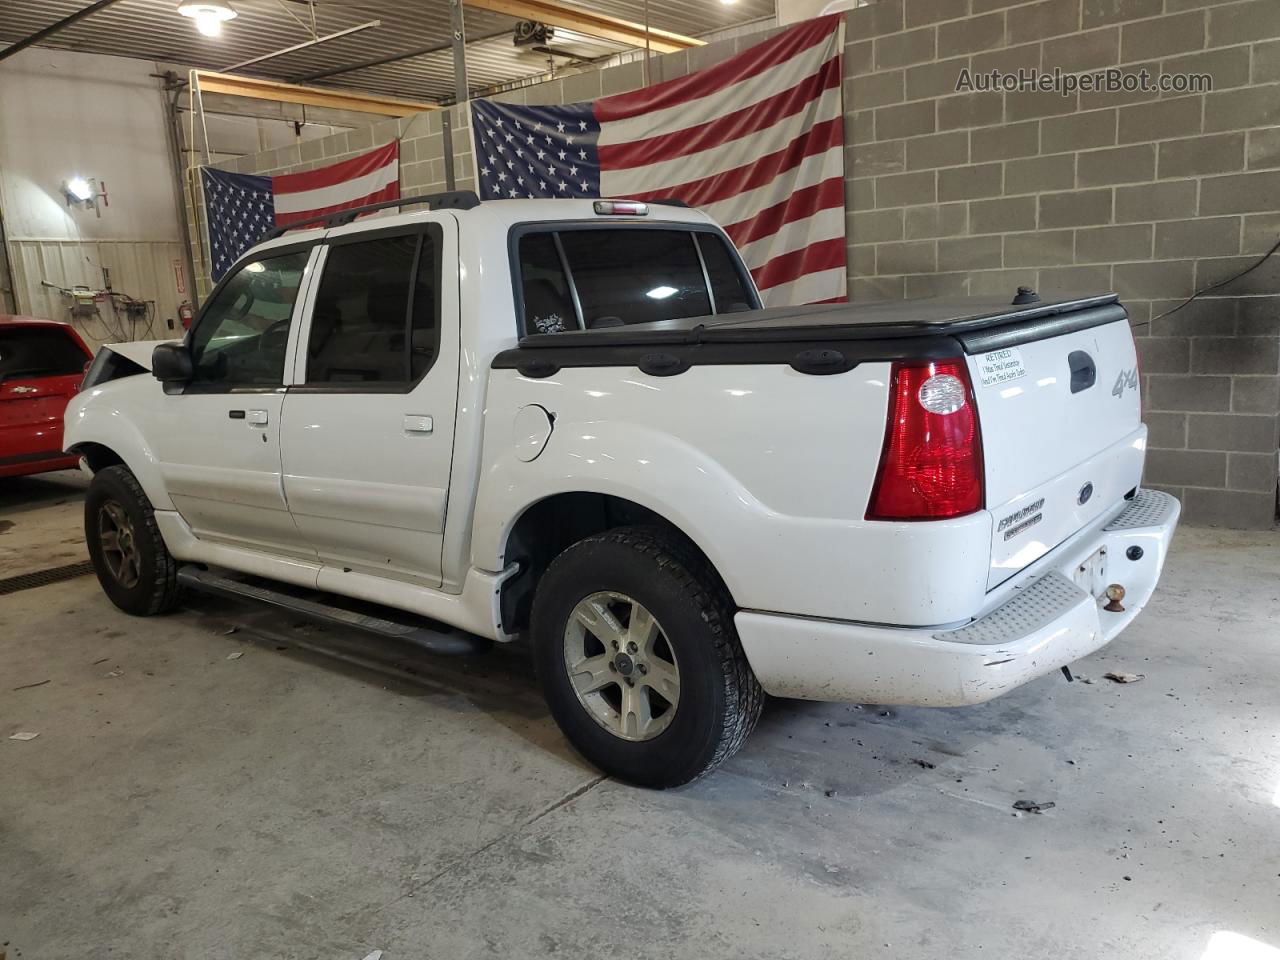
(1126, 379)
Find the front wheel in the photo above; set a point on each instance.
(128, 554)
(639, 660)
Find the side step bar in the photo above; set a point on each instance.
(444, 641)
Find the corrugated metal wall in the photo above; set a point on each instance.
(140, 269)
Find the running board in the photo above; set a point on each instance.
(445, 641)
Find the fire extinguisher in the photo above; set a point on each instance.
(186, 314)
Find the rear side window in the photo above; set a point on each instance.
(594, 278)
(38, 352)
(376, 318)
(548, 306)
(727, 288)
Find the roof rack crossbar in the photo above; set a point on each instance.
(449, 200)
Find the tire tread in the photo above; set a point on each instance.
(164, 569)
(702, 585)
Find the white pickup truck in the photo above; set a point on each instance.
(571, 421)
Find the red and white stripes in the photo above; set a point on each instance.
(369, 178)
(758, 143)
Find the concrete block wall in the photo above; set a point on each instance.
(1154, 196)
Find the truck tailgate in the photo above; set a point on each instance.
(1062, 433)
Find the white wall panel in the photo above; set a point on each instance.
(140, 269)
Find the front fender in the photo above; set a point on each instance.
(102, 415)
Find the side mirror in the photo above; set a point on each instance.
(171, 363)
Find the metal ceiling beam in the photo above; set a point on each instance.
(53, 28)
(393, 58)
(256, 88)
(592, 24)
(303, 46)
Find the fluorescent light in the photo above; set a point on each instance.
(79, 188)
(661, 293)
(208, 16)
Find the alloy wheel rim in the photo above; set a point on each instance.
(118, 543)
(621, 666)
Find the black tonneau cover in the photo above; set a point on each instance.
(827, 338)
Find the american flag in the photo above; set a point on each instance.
(756, 141)
(242, 207)
(239, 209)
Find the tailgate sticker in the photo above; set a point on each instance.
(1001, 366)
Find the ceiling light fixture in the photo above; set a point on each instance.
(208, 15)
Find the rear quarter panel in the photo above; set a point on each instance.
(768, 470)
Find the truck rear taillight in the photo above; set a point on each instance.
(931, 467)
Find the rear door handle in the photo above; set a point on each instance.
(417, 423)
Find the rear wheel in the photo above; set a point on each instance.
(128, 554)
(638, 657)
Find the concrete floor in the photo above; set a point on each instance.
(304, 804)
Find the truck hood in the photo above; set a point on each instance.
(139, 351)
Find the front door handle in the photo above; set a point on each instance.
(417, 423)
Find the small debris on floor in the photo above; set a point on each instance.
(23, 735)
(103, 660)
(923, 763)
(828, 793)
(229, 631)
(1031, 806)
(235, 655)
(28, 686)
(1125, 677)
(374, 955)
(113, 674)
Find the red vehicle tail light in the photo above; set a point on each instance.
(931, 467)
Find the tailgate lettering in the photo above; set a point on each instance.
(1018, 515)
(1126, 380)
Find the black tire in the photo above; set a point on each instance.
(719, 696)
(155, 588)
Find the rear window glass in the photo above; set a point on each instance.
(596, 278)
(39, 352)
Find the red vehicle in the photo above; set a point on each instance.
(41, 365)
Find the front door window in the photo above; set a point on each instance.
(243, 333)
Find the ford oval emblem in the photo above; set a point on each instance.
(1085, 493)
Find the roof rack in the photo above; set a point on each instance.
(449, 200)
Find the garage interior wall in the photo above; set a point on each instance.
(66, 114)
(977, 193)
